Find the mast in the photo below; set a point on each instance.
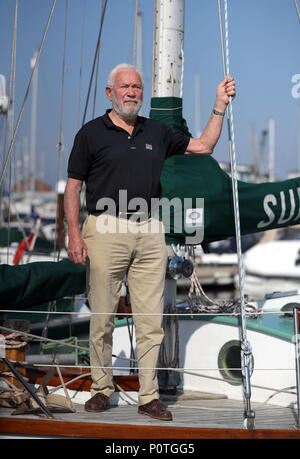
(299, 139)
(271, 149)
(167, 78)
(197, 105)
(138, 47)
(33, 124)
(139, 42)
(4, 105)
(167, 75)
(3, 96)
(255, 153)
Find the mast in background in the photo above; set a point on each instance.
(139, 42)
(4, 104)
(3, 96)
(33, 125)
(299, 139)
(271, 150)
(197, 105)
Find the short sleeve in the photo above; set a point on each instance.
(175, 142)
(79, 163)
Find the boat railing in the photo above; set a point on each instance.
(253, 313)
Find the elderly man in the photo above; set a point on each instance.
(123, 152)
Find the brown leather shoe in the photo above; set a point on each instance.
(98, 403)
(155, 409)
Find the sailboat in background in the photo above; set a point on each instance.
(202, 345)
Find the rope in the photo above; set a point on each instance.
(10, 341)
(276, 391)
(213, 307)
(206, 311)
(286, 390)
(181, 370)
(67, 383)
(26, 95)
(246, 353)
(49, 340)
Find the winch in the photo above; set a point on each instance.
(178, 265)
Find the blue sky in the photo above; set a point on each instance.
(264, 56)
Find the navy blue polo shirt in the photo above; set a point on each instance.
(108, 159)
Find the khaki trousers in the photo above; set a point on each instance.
(138, 250)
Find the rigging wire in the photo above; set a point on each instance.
(81, 61)
(233, 165)
(135, 30)
(95, 61)
(60, 134)
(26, 94)
(55, 341)
(97, 71)
(12, 81)
(246, 352)
(253, 312)
(59, 144)
(297, 9)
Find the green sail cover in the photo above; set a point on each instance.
(37, 283)
(262, 206)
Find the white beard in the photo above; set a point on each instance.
(126, 113)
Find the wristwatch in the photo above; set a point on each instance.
(218, 113)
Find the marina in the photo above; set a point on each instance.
(229, 364)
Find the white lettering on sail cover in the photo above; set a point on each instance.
(296, 87)
(270, 199)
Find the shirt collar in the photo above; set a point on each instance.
(110, 125)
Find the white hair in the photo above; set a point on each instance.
(124, 66)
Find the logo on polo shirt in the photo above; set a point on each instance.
(148, 146)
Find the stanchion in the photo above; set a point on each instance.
(27, 388)
(296, 336)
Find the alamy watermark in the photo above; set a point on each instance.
(179, 216)
(296, 87)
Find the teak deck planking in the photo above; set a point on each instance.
(194, 419)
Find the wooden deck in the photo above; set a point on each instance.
(192, 419)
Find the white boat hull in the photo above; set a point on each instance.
(201, 344)
(258, 286)
(272, 267)
(274, 362)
